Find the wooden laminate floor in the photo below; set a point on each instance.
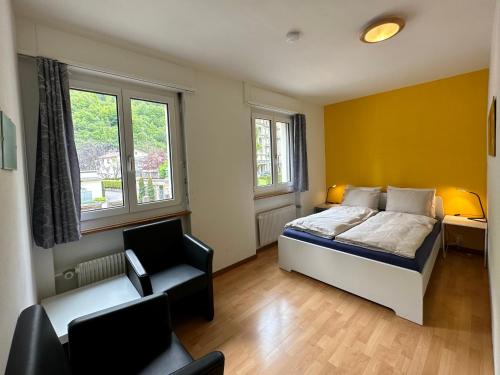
(269, 321)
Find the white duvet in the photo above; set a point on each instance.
(331, 222)
(392, 232)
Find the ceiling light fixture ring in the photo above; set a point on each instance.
(382, 29)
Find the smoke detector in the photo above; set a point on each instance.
(293, 35)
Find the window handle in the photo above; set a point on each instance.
(130, 164)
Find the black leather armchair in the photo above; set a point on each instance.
(160, 258)
(35, 348)
(133, 338)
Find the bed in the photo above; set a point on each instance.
(400, 282)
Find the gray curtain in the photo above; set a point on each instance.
(56, 201)
(299, 152)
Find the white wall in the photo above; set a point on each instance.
(316, 158)
(494, 196)
(219, 154)
(37, 39)
(16, 283)
(218, 143)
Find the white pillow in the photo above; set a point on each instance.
(361, 198)
(411, 201)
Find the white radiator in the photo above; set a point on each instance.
(101, 268)
(271, 223)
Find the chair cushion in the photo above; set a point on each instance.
(179, 281)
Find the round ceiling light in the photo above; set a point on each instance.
(382, 29)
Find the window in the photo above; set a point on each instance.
(263, 152)
(127, 149)
(283, 152)
(271, 134)
(151, 151)
(97, 138)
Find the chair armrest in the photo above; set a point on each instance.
(198, 254)
(210, 364)
(137, 274)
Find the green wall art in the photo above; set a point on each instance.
(8, 146)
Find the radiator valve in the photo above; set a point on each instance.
(69, 274)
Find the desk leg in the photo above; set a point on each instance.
(443, 239)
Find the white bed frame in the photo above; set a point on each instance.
(398, 288)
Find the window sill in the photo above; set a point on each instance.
(272, 194)
(125, 224)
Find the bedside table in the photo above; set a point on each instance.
(461, 221)
(324, 206)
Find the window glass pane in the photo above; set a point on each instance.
(263, 153)
(282, 152)
(95, 121)
(153, 167)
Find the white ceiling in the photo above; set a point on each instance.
(246, 38)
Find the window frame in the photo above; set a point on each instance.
(124, 92)
(175, 159)
(115, 91)
(274, 187)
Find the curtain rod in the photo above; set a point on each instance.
(119, 75)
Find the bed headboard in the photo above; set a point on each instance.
(438, 200)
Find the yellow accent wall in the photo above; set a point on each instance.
(429, 135)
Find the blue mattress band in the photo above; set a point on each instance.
(416, 264)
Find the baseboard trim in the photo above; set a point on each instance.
(246, 260)
(269, 246)
(232, 266)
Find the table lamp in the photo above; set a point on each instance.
(483, 218)
(328, 192)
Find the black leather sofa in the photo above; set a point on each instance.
(160, 258)
(133, 338)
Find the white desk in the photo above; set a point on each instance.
(464, 222)
(65, 307)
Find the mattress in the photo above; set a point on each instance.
(416, 264)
